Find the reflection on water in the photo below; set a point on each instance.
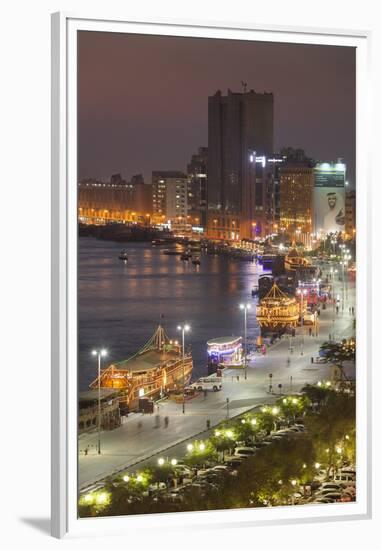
(120, 304)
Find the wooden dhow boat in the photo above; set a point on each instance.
(154, 370)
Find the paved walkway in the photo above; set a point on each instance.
(140, 437)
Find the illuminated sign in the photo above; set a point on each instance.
(329, 198)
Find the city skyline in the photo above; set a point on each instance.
(122, 118)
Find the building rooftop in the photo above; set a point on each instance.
(92, 395)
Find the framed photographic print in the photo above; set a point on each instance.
(211, 287)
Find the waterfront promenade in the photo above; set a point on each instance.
(140, 437)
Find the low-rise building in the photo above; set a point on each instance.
(88, 410)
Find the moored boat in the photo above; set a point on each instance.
(158, 368)
(277, 311)
(295, 262)
(123, 255)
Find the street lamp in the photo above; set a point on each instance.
(245, 308)
(302, 293)
(333, 272)
(184, 328)
(99, 353)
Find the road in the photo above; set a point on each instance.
(140, 437)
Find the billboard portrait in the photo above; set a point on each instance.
(329, 198)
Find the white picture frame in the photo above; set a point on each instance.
(64, 277)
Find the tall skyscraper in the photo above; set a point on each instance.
(240, 126)
(197, 182)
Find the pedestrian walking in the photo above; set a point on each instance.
(237, 378)
(140, 424)
(166, 421)
(86, 451)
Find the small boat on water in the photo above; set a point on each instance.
(157, 242)
(123, 255)
(169, 252)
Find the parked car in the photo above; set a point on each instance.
(320, 359)
(344, 477)
(274, 437)
(331, 488)
(260, 444)
(235, 461)
(330, 485)
(220, 468)
(334, 495)
(297, 428)
(348, 470)
(244, 451)
(183, 471)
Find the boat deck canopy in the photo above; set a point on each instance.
(148, 360)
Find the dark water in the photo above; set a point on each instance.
(120, 304)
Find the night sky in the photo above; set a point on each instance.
(143, 100)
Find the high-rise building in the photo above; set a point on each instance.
(169, 197)
(240, 126)
(350, 214)
(296, 184)
(197, 183)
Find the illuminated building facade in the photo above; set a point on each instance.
(296, 184)
(350, 214)
(240, 125)
(170, 198)
(116, 200)
(197, 183)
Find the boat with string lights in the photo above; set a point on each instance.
(293, 261)
(277, 311)
(155, 370)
